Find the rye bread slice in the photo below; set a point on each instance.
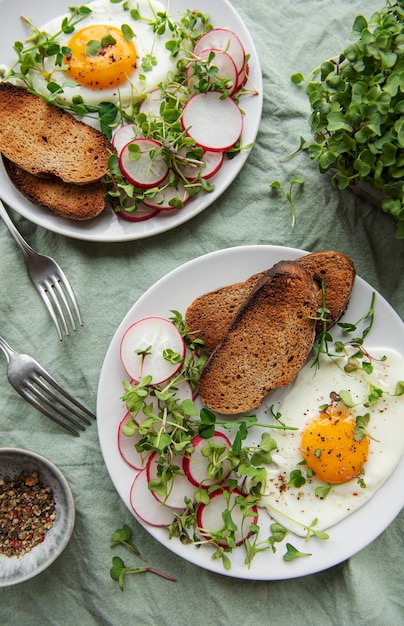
(76, 202)
(210, 315)
(47, 141)
(338, 273)
(267, 342)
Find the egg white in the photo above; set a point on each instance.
(297, 507)
(146, 42)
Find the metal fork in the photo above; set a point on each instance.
(49, 280)
(41, 390)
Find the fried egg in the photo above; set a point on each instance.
(105, 64)
(347, 452)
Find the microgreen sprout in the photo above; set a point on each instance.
(122, 536)
(357, 110)
(119, 570)
(293, 553)
(288, 194)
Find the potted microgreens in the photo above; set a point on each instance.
(357, 111)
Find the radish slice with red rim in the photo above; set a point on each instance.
(151, 104)
(225, 40)
(142, 163)
(122, 136)
(126, 445)
(196, 464)
(152, 336)
(178, 488)
(242, 78)
(212, 162)
(210, 519)
(140, 214)
(145, 506)
(214, 123)
(226, 67)
(162, 199)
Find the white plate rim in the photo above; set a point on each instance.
(234, 264)
(108, 227)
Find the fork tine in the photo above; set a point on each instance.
(61, 278)
(64, 393)
(37, 405)
(45, 297)
(50, 392)
(49, 287)
(37, 387)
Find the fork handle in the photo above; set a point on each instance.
(8, 350)
(23, 245)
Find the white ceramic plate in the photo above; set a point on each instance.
(176, 291)
(16, 570)
(108, 227)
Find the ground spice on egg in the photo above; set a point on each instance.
(27, 512)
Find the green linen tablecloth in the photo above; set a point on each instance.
(109, 277)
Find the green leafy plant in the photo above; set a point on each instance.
(122, 536)
(357, 110)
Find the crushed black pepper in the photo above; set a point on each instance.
(27, 512)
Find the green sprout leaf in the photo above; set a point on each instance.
(293, 553)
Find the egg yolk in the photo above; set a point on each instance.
(329, 447)
(107, 62)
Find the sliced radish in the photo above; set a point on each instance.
(126, 445)
(195, 465)
(140, 214)
(212, 161)
(151, 104)
(214, 123)
(226, 69)
(183, 391)
(152, 335)
(177, 489)
(210, 519)
(122, 136)
(225, 40)
(145, 506)
(242, 78)
(149, 169)
(161, 200)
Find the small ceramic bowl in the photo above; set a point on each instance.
(15, 569)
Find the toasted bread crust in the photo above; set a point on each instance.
(210, 315)
(77, 202)
(337, 271)
(47, 141)
(266, 344)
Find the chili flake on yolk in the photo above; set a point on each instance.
(329, 447)
(110, 66)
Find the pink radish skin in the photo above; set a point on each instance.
(242, 78)
(160, 334)
(145, 506)
(151, 105)
(122, 136)
(162, 198)
(140, 214)
(213, 123)
(179, 488)
(127, 448)
(225, 40)
(209, 516)
(225, 65)
(147, 171)
(213, 162)
(195, 466)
